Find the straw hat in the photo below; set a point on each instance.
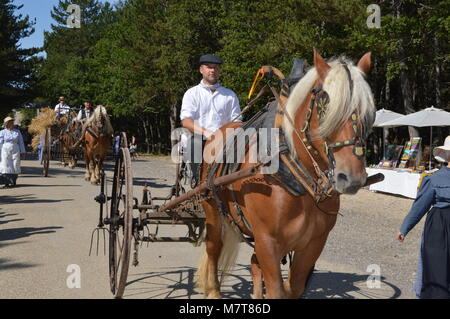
(442, 153)
(7, 119)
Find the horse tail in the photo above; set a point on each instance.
(227, 259)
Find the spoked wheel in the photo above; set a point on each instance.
(121, 220)
(46, 147)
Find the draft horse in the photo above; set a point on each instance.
(68, 138)
(328, 139)
(97, 141)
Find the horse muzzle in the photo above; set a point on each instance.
(346, 183)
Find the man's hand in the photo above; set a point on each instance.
(207, 133)
(400, 237)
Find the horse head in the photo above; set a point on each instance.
(101, 122)
(340, 115)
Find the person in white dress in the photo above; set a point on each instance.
(11, 146)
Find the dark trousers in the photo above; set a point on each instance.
(194, 154)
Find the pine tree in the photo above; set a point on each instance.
(16, 64)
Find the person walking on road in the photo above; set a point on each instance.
(11, 146)
(433, 274)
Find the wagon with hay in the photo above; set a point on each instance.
(53, 138)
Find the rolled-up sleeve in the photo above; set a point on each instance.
(189, 107)
(423, 202)
(235, 109)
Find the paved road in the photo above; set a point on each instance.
(46, 224)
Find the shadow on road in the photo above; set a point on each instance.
(24, 232)
(28, 199)
(43, 185)
(37, 171)
(178, 282)
(139, 181)
(5, 264)
(325, 285)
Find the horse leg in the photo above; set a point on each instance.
(87, 175)
(92, 164)
(302, 265)
(207, 273)
(98, 167)
(269, 260)
(256, 278)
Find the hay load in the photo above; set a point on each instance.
(45, 119)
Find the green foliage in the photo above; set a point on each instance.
(16, 64)
(141, 56)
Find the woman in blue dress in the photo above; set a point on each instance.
(433, 275)
(11, 146)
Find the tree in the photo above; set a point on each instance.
(65, 71)
(16, 64)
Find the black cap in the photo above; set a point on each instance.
(87, 100)
(210, 58)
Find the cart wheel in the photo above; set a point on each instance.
(123, 140)
(121, 220)
(46, 147)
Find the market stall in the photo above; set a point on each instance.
(404, 166)
(396, 182)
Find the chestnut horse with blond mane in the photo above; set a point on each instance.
(279, 222)
(97, 141)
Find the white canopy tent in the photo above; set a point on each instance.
(428, 117)
(383, 116)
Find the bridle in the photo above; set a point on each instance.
(320, 100)
(322, 186)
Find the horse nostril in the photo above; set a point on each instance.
(342, 177)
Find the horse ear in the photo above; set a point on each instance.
(364, 63)
(321, 65)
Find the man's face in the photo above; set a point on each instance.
(87, 105)
(210, 72)
(61, 101)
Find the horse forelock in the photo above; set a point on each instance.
(342, 103)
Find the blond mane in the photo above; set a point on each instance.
(341, 106)
(100, 111)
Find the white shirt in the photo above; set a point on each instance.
(62, 108)
(86, 111)
(210, 110)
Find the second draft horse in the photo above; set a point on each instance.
(97, 141)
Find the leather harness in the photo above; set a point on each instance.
(318, 184)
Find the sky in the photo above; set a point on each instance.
(39, 10)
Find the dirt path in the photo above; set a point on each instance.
(46, 224)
